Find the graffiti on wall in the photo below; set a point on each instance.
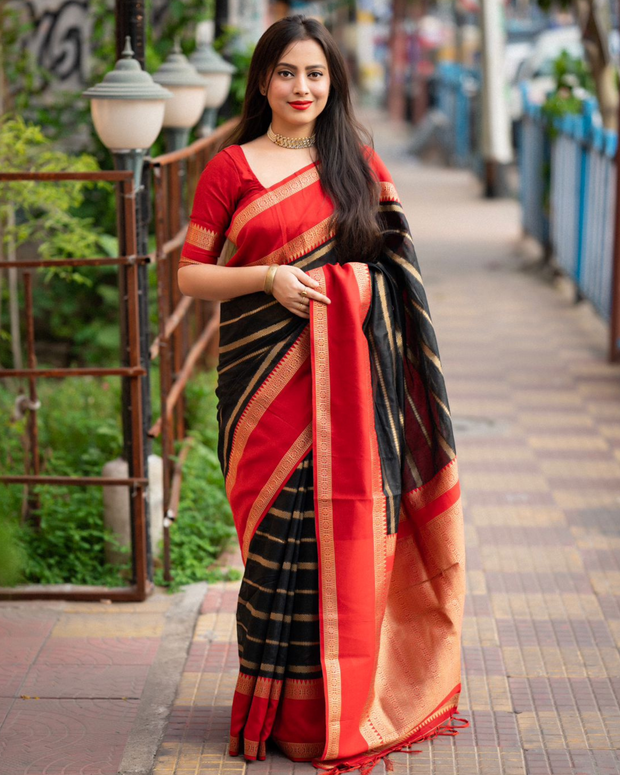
(59, 41)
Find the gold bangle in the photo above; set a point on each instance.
(269, 278)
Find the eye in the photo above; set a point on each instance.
(316, 72)
(285, 72)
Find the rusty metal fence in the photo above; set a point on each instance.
(128, 263)
(187, 326)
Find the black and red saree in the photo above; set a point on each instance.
(337, 448)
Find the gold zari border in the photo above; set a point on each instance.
(245, 683)
(201, 238)
(325, 528)
(388, 192)
(300, 446)
(270, 199)
(303, 690)
(428, 493)
(298, 246)
(300, 750)
(185, 261)
(266, 394)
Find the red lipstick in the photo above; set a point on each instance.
(300, 105)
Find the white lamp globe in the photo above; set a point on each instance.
(181, 78)
(127, 106)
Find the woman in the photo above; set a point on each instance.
(335, 435)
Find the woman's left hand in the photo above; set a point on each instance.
(293, 288)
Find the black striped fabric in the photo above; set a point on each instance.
(278, 608)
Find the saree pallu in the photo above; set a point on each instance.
(337, 448)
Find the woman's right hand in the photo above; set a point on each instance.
(288, 284)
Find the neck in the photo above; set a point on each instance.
(290, 130)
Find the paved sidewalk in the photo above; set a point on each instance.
(537, 420)
(87, 687)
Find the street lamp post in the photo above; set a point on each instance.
(188, 93)
(127, 109)
(218, 74)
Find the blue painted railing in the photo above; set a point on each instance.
(579, 227)
(533, 157)
(458, 95)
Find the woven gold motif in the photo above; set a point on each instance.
(303, 690)
(388, 192)
(301, 750)
(268, 688)
(250, 747)
(201, 238)
(233, 745)
(245, 683)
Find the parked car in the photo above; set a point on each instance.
(515, 53)
(537, 68)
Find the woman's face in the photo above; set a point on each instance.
(298, 89)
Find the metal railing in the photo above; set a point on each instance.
(128, 263)
(187, 326)
(458, 98)
(533, 159)
(574, 159)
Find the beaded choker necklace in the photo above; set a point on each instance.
(290, 142)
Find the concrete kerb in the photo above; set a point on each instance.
(162, 683)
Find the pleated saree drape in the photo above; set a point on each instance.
(337, 448)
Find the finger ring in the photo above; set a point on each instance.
(303, 293)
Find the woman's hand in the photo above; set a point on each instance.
(288, 284)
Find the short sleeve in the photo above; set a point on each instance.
(388, 189)
(214, 205)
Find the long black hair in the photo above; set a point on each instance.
(344, 169)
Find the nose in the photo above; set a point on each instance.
(301, 84)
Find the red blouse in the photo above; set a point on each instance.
(238, 222)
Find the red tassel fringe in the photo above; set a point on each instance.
(446, 728)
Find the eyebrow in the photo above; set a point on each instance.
(293, 67)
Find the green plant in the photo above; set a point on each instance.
(74, 307)
(43, 210)
(204, 524)
(572, 78)
(12, 554)
(79, 431)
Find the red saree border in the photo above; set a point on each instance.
(270, 198)
(436, 724)
(261, 401)
(299, 752)
(255, 480)
(277, 481)
(328, 603)
(364, 720)
(299, 246)
(431, 500)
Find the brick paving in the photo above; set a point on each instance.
(537, 423)
(71, 678)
